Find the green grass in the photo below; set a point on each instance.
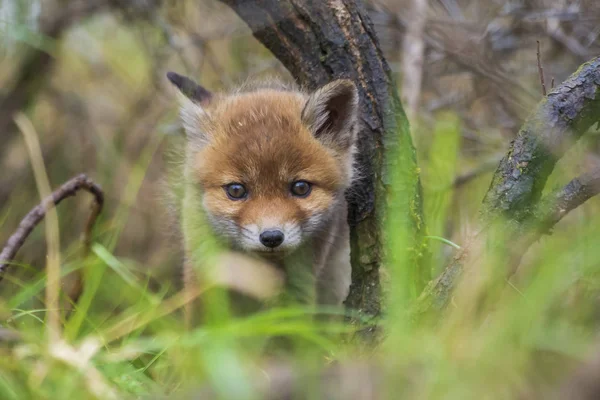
(501, 337)
(497, 339)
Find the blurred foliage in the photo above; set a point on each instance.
(104, 108)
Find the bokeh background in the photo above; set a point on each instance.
(90, 74)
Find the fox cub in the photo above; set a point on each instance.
(269, 166)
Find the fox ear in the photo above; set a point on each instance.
(190, 89)
(331, 114)
(193, 98)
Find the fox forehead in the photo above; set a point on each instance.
(259, 138)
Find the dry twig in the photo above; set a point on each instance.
(540, 69)
(35, 216)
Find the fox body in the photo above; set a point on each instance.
(266, 169)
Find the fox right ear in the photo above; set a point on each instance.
(331, 113)
(190, 89)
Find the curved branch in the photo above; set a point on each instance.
(556, 205)
(36, 215)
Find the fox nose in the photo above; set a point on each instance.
(272, 238)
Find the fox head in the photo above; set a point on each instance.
(271, 163)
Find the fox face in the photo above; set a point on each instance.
(271, 163)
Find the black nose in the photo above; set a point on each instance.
(272, 238)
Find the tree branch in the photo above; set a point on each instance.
(558, 204)
(513, 197)
(557, 123)
(541, 70)
(36, 215)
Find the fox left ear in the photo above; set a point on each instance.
(331, 113)
(190, 89)
(195, 98)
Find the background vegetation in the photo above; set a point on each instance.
(90, 76)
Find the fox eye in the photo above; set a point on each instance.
(301, 188)
(236, 191)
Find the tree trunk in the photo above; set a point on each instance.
(320, 40)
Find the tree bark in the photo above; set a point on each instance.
(557, 123)
(320, 40)
(513, 198)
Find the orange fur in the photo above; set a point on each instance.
(266, 138)
(259, 139)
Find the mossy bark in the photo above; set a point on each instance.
(318, 41)
(513, 198)
(556, 124)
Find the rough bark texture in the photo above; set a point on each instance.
(318, 41)
(557, 123)
(514, 194)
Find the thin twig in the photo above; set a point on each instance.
(556, 205)
(552, 209)
(540, 68)
(36, 215)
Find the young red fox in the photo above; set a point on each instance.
(270, 166)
